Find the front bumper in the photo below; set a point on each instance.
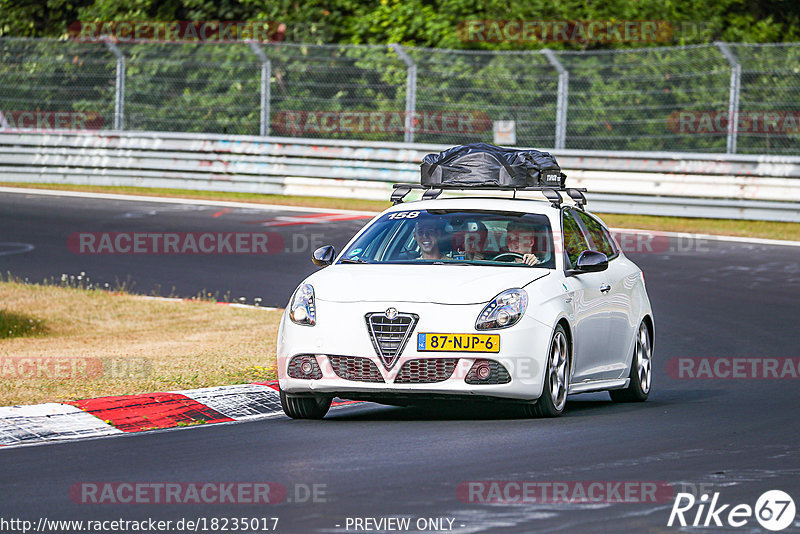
(341, 331)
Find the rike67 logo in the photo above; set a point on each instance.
(774, 510)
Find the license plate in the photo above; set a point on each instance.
(429, 342)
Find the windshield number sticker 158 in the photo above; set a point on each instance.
(404, 215)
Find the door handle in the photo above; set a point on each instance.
(605, 288)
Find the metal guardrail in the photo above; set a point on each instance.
(657, 183)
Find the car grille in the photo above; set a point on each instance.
(389, 336)
(425, 371)
(497, 374)
(354, 368)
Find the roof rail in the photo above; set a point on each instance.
(553, 194)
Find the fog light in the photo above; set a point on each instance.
(305, 367)
(483, 370)
(487, 373)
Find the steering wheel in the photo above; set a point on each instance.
(510, 254)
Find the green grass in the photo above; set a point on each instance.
(20, 325)
(192, 423)
(733, 227)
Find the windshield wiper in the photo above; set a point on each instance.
(356, 260)
(456, 262)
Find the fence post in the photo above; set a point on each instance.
(119, 99)
(561, 99)
(411, 91)
(733, 96)
(266, 74)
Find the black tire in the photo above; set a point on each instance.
(639, 386)
(305, 407)
(546, 406)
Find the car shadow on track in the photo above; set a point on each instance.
(442, 411)
(594, 404)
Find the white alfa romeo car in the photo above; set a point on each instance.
(487, 299)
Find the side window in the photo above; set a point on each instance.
(611, 242)
(574, 240)
(598, 234)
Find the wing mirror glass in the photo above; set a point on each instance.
(590, 261)
(323, 256)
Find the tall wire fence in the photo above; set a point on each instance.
(651, 99)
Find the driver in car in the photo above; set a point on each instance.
(521, 240)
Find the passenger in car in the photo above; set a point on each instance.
(470, 242)
(427, 234)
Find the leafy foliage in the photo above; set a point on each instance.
(622, 95)
(418, 22)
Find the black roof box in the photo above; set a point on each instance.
(481, 165)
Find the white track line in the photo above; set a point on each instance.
(170, 200)
(306, 209)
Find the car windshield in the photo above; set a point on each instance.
(475, 237)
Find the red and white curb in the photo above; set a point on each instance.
(49, 422)
(107, 416)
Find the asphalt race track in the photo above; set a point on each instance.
(47, 222)
(738, 437)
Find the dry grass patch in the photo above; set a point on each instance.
(99, 343)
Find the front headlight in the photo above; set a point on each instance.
(303, 309)
(505, 310)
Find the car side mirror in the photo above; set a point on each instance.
(590, 261)
(323, 256)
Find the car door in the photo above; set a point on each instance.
(589, 305)
(617, 295)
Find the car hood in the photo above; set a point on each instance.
(442, 284)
